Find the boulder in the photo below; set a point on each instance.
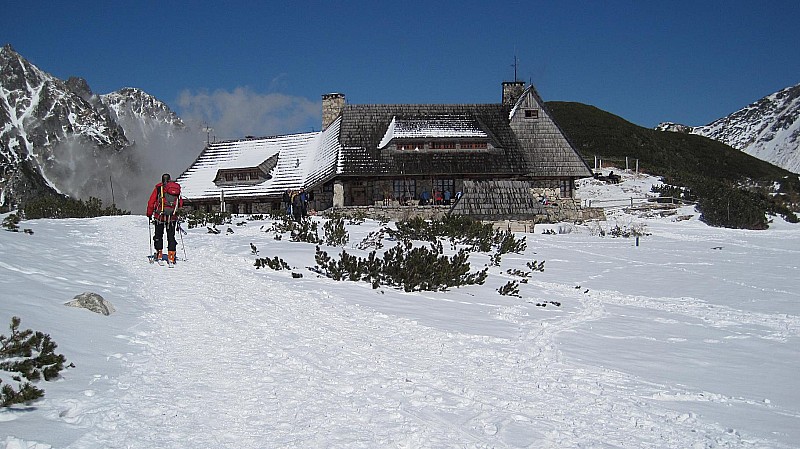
(93, 302)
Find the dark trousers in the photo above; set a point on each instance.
(158, 238)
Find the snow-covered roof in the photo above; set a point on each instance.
(440, 127)
(302, 159)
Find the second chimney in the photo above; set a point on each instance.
(512, 90)
(332, 105)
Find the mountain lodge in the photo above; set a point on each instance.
(496, 158)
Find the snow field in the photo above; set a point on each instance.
(669, 344)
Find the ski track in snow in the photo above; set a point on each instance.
(227, 356)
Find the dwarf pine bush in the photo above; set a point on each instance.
(27, 355)
(335, 233)
(11, 222)
(405, 266)
(60, 206)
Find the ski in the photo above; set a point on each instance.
(164, 258)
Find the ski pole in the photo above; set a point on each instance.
(150, 234)
(180, 233)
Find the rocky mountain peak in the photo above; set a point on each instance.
(58, 135)
(79, 87)
(768, 128)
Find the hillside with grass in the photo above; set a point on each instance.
(732, 189)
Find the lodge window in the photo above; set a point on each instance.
(327, 187)
(443, 145)
(229, 176)
(443, 185)
(241, 176)
(531, 113)
(411, 146)
(405, 188)
(254, 175)
(474, 146)
(565, 188)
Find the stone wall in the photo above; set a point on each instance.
(567, 210)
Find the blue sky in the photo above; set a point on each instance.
(688, 62)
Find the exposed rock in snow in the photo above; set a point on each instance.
(92, 301)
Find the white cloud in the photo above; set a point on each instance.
(241, 112)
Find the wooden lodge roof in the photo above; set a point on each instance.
(478, 141)
(302, 160)
(521, 147)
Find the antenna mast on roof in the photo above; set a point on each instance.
(515, 65)
(208, 130)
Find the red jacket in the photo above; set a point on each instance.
(159, 204)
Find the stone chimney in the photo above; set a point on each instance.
(332, 105)
(512, 90)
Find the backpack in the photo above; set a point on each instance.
(168, 199)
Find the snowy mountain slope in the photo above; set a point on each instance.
(689, 340)
(768, 129)
(38, 112)
(59, 134)
(142, 114)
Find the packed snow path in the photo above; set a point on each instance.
(228, 356)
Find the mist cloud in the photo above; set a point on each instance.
(242, 112)
(81, 169)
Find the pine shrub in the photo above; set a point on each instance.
(11, 222)
(198, 218)
(51, 206)
(305, 231)
(29, 355)
(335, 233)
(275, 263)
(510, 289)
(405, 266)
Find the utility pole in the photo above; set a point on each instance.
(113, 202)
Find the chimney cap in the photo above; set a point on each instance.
(332, 95)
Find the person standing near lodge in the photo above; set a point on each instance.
(297, 206)
(286, 199)
(162, 207)
(303, 202)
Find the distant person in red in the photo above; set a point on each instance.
(162, 208)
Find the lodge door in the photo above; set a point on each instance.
(359, 196)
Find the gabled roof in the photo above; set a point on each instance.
(548, 152)
(522, 147)
(303, 159)
(363, 128)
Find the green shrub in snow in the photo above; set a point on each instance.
(30, 356)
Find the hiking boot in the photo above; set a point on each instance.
(171, 256)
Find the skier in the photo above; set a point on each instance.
(161, 208)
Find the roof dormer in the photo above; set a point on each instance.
(437, 133)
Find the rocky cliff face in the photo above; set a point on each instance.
(59, 136)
